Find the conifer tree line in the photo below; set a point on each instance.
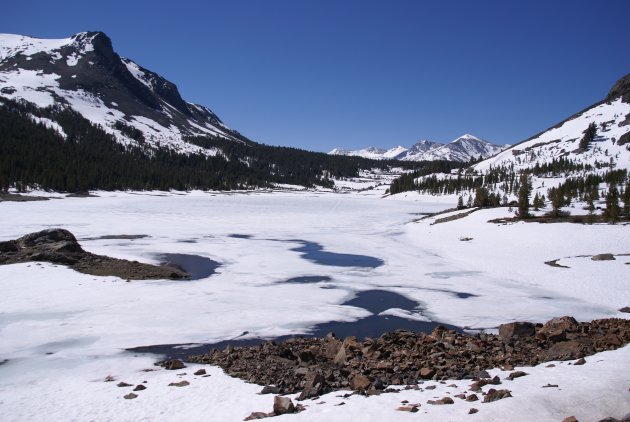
(493, 188)
(33, 155)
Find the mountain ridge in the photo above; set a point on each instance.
(85, 73)
(462, 149)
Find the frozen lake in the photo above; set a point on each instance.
(278, 264)
(269, 265)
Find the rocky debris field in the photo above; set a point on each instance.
(315, 366)
(59, 246)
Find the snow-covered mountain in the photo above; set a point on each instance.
(83, 72)
(611, 144)
(461, 149)
(372, 153)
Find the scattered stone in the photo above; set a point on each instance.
(556, 330)
(426, 373)
(472, 397)
(550, 386)
(182, 383)
(443, 400)
(515, 330)
(140, 387)
(257, 415)
(412, 409)
(173, 364)
(270, 389)
(551, 365)
(508, 367)
(315, 386)
(570, 419)
(483, 374)
(603, 257)
(580, 361)
(461, 396)
(473, 411)
(282, 405)
(200, 372)
(109, 378)
(123, 384)
(359, 382)
(494, 395)
(377, 365)
(516, 374)
(130, 396)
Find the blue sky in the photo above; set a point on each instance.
(333, 73)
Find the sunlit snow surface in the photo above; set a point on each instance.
(63, 332)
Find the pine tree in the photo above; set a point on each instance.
(589, 135)
(612, 204)
(626, 201)
(591, 209)
(524, 192)
(460, 203)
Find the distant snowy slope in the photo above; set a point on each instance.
(83, 72)
(461, 149)
(372, 153)
(612, 142)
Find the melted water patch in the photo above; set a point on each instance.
(314, 252)
(375, 301)
(308, 279)
(197, 266)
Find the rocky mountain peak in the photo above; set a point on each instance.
(621, 88)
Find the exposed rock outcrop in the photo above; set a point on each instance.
(59, 246)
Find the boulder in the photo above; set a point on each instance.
(426, 373)
(494, 395)
(359, 382)
(443, 400)
(603, 257)
(282, 405)
(564, 350)
(314, 386)
(556, 329)
(516, 330)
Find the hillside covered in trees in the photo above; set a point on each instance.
(73, 155)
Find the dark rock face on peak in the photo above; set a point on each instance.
(59, 246)
(620, 89)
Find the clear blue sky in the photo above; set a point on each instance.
(333, 73)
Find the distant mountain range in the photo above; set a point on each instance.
(461, 149)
